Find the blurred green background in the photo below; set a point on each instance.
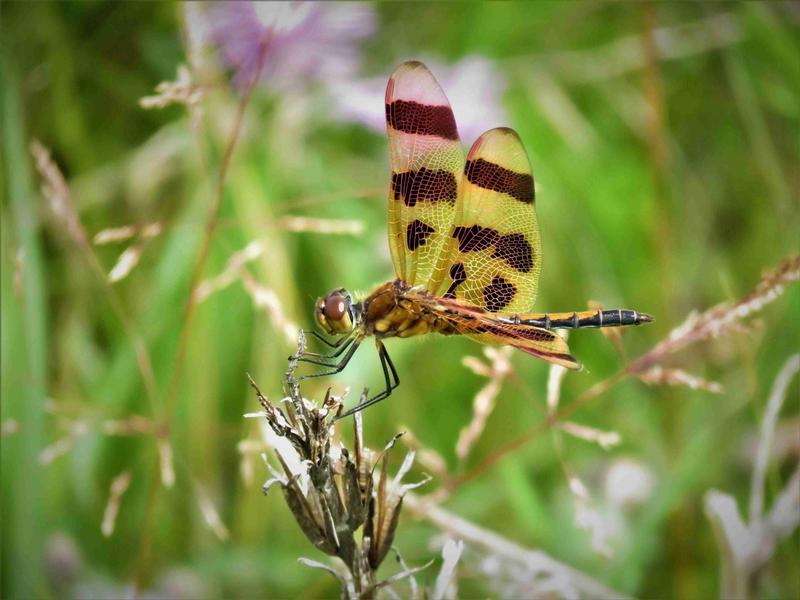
(668, 177)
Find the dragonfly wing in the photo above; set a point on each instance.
(476, 323)
(427, 161)
(493, 254)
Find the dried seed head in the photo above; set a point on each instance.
(330, 489)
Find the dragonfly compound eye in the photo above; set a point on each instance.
(335, 312)
(335, 307)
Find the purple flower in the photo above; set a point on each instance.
(473, 85)
(300, 41)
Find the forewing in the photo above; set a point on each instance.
(494, 250)
(427, 167)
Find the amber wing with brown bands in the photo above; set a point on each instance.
(427, 161)
(493, 254)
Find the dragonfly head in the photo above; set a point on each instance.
(336, 312)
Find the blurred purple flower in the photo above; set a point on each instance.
(473, 85)
(302, 41)
(320, 42)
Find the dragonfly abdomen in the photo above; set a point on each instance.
(615, 317)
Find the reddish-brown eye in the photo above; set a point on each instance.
(334, 307)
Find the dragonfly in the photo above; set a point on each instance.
(464, 243)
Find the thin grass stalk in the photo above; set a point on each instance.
(49, 171)
(714, 321)
(22, 529)
(552, 420)
(188, 312)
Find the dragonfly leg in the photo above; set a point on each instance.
(334, 368)
(324, 340)
(388, 367)
(340, 347)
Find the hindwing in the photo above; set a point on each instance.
(493, 253)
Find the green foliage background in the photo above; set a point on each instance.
(617, 227)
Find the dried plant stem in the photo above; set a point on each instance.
(722, 318)
(534, 560)
(205, 246)
(188, 312)
(496, 456)
(711, 323)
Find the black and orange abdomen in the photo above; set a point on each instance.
(578, 320)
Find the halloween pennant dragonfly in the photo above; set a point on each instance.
(464, 242)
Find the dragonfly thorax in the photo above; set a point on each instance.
(336, 313)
